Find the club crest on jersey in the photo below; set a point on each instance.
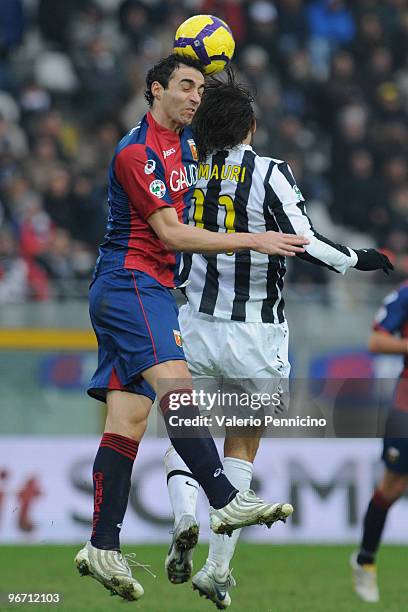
(177, 337)
(150, 166)
(157, 188)
(193, 148)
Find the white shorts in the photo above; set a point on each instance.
(254, 353)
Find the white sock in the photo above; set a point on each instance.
(222, 547)
(181, 484)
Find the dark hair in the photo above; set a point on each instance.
(163, 70)
(225, 115)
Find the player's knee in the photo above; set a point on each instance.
(169, 376)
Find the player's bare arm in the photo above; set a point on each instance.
(179, 237)
(384, 342)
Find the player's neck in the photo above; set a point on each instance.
(165, 121)
(248, 139)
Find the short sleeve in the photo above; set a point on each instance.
(141, 175)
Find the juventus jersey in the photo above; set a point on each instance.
(238, 191)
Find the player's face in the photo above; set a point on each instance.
(182, 97)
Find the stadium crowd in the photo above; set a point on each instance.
(331, 79)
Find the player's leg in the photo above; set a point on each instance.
(124, 346)
(230, 509)
(214, 580)
(172, 383)
(181, 484)
(393, 485)
(126, 422)
(183, 490)
(268, 346)
(101, 557)
(239, 455)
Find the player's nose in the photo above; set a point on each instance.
(195, 97)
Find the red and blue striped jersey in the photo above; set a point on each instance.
(392, 317)
(152, 167)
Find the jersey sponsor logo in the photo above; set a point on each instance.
(177, 337)
(150, 166)
(169, 152)
(193, 148)
(183, 178)
(157, 188)
(298, 193)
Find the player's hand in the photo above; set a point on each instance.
(275, 243)
(371, 259)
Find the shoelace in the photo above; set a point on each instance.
(231, 582)
(130, 560)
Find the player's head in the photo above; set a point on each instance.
(174, 87)
(225, 117)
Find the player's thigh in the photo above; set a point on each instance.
(202, 343)
(135, 320)
(256, 350)
(256, 363)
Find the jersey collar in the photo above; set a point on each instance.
(161, 130)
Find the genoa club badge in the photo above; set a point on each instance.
(193, 148)
(177, 337)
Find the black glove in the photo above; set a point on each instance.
(371, 259)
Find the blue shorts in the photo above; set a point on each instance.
(135, 321)
(395, 454)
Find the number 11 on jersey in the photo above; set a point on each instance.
(225, 201)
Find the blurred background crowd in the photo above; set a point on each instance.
(331, 79)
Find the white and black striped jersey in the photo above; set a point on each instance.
(239, 191)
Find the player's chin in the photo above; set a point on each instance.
(187, 117)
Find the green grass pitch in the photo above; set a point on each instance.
(270, 579)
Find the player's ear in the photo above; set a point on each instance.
(253, 126)
(157, 90)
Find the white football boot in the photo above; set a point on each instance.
(111, 569)
(364, 580)
(179, 560)
(214, 587)
(247, 509)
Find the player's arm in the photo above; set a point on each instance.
(389, 321)
(288, 207)
(179, 237)
(384, 342)
(141, 174)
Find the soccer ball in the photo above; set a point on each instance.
(207, 39)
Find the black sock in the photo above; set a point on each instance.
(112, 470)
(196, 447)
(374, 522)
